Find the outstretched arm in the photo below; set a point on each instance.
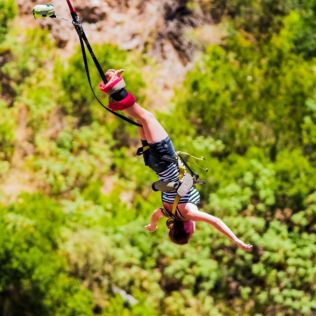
(219, 225)
(156, 215)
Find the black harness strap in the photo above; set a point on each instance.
(90, 84)
(194, 175)
(84, 40)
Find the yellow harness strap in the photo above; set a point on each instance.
(181, 175)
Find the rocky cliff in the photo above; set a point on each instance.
(157, 28)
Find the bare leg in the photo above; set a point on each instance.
(152, 130)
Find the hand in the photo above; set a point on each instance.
(244, 246)
(150, 227)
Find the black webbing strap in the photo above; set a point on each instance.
(193, 174)
(84, 40)
(142, 149)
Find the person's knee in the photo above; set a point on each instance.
(147, 116)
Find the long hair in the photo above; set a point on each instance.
(177, 232)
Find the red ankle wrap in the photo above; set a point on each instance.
(112, 86)
(126, 103)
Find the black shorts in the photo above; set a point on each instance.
(156, 156)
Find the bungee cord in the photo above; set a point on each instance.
(47, 10)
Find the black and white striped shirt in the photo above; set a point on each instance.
(172, 174)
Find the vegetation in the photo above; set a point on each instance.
(8, 10)
(72, 241)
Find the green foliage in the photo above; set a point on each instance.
(249, 184)
(76, 158)
(258, 101)
(31, 50)
(287, 255)
(24, 55)
(249, 94)
(7, 132)
(296, 178)
(79, 247)
(33, 277)
(8, 10)
(35, 94)
(309, 129)
(259, 18)
(300, 30)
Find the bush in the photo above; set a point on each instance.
(7, 132)
(34, 278)
(248, 94)
(8, 10)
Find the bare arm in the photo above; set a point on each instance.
(219, 225)
(155, 217)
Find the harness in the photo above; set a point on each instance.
(186, 180)
(182, 172)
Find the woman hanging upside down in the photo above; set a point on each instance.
(181, 222)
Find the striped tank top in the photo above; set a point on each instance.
(172, 174)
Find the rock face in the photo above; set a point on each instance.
(157, 28)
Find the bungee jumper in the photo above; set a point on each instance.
(180, 198)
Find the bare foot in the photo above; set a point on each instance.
(113, 74)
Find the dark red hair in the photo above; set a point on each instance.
(177, 232)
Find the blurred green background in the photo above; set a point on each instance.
(74, 198)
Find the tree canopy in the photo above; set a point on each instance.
(73, 243)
